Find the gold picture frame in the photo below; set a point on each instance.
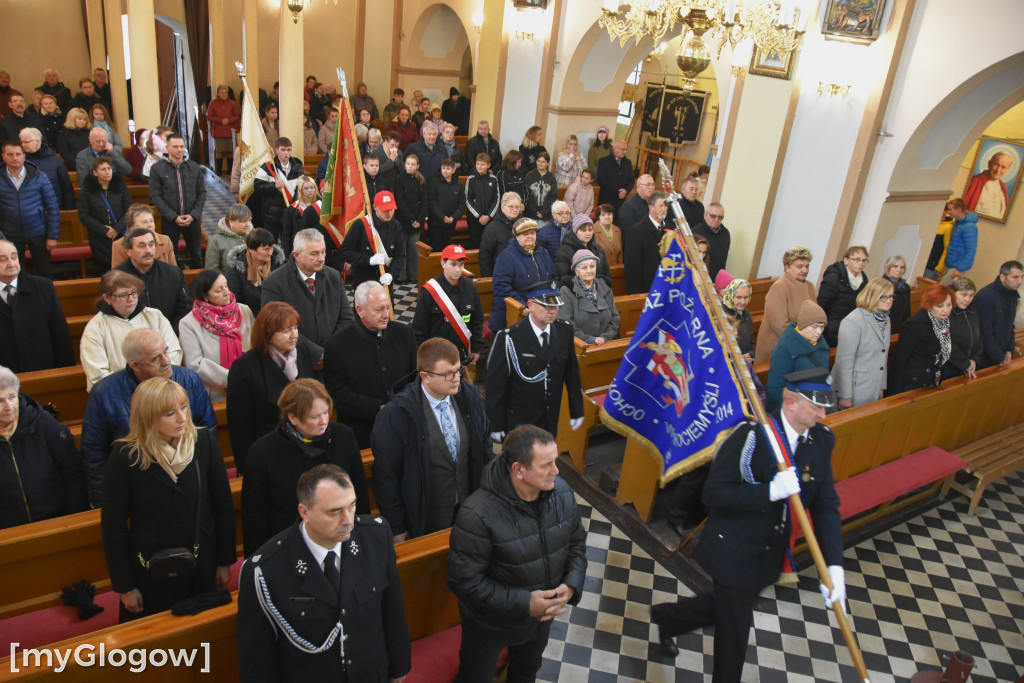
(773, 65)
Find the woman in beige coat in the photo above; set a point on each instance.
(782, 303)
(215, 333)
(120, 312)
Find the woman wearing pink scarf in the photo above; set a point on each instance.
(217, 332)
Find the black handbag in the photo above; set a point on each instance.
(176, 564)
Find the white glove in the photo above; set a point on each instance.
(377, 260)
(838, 594)
(498, 436)
(783, 485)
(575, 423)
(386, 279)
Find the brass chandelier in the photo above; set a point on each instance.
(775, 30)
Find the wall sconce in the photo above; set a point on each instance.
(738, 71)
(478, 22)
(525, 36)
(833, 89)
(295, 6)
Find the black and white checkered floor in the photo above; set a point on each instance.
(941, 581)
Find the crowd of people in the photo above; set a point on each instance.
(268, 327)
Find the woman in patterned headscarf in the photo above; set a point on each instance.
(735, 299)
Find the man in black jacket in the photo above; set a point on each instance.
(21, 117)
(276, 185)
(368, 362)
(693, 209)
(482, 199)
(634, 209)
(365, 256)
(446, 203)
(430, 444)
(166, 289)
(719, 240)
(333, 569)
(311, 288)
(375, 182)
(33, 329)
(483, 143)
(517, 557)
(748, 531)
(455, 110)
(996, 305)
(499, 231)
(641, 244)
(529, 364)
(615, 176)
(177, 188)
(449, 306)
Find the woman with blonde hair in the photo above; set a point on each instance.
(168, 517)
(119, 311)
(230, 233)
(74, 137)
(307, 197)
(782, 303)
(862, 351)
(531, 148)
(570, 163)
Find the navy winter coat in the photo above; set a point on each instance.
(515, 271)
(33, 210)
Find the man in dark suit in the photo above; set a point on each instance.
(641, 246)
(329, 582)
(693, 209)
(369, 361)
(166, 289)
(748, 530)
(529, 364)
(430, 444)
(634, 209)
(719, 240)
(313, 290)
(615, 176)
(33, 329)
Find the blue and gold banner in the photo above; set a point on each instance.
(675, 391)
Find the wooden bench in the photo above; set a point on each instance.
(873, 434)
(78, 297)
(430, 608)
(990, 459)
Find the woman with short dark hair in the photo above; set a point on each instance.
(304, 438)
(165, 489)
(279, 355)
(103, 208)
(216, 333)
(248, 265)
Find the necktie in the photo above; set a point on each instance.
(8, 293)
(331, 571)
(544, 341)
(311, 283)
(451, 435)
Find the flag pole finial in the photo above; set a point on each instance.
(241, 69)
(343, 81)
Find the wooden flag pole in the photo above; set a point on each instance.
(366, 195)
(728, 339)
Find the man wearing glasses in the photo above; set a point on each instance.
(840, 286)
(166, 289)
(430, 444)
(714, 231)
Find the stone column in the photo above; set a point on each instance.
(145, 74)
(116, 75)
(290, 59)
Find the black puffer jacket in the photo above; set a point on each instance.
(41, 475)
(502, 548)
(837, 298)
(238, 276)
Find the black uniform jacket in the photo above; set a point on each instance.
(430, 321)
(375, 638)
(746, 536)
(512, 401)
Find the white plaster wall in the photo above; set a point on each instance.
(946, 48)
(522, 76)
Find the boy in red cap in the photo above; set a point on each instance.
(449, 307)
(366, 250)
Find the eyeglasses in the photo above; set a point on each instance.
(448, 376)
(126, 296)
(716, 216)
(860, 260)
(887, 297)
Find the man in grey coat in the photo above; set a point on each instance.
(312, 289)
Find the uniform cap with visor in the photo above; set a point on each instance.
(814, 384)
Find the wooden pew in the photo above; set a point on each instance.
(429, 605)
(78, 297)
(38, 559)
(430, 263)
(629, 306)
(876, 433)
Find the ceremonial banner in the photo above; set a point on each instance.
(675, 391)
(252, 146)
(343, 193)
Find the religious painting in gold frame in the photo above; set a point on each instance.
(773, 65)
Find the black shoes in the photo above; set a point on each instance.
(668, 645)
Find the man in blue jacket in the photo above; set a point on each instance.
(963, 241)
(29, 209)
(110, 401)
